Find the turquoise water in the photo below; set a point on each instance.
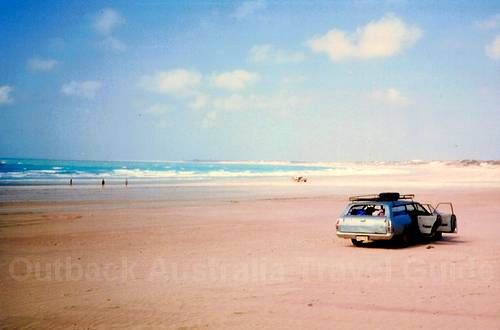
(42, 171)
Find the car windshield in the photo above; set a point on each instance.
(422, 210)
(367, 209)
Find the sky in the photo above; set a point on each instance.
(250, 80)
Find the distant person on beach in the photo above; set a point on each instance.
(70, 182)
(103, 182)
(126, 182)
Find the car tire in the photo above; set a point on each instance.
(355, 242)
(435, 234)
(406, 238)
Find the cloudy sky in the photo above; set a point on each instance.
(256, 80)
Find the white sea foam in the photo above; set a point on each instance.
(348, 171)
(185, 174)
(46, 171)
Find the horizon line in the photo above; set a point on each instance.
(254, 161)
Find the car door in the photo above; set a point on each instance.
(445, 213)
(426, 218)
(426, 222)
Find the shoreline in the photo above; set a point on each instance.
(488, 171)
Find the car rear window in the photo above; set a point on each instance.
(367, 209)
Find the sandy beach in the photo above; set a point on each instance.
(245, 254)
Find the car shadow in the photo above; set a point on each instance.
(450, 240)
(430, 242)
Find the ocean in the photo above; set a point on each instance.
(46, 171)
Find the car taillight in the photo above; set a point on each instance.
(389, 226)
(337, 224)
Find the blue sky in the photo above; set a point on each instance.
(255, 80)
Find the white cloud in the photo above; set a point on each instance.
(335, 44)
(108, 20)
(41, 64)
(5, 97)
(281, 102)
(248, 8)
(113, 44)
(490, 23)
(180, 82)
(390, 97)
(234, 80)
(83, 89)
(269, 53)
(493, 49)
(105, 23)
(195, 92)
(385, 37)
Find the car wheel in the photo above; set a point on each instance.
(405, 238)
(355, 242)
(436, 235)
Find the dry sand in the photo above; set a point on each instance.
(243, 256)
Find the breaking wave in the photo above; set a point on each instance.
(25, 171)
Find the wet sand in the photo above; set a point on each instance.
(243, 255)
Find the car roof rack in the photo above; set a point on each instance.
(382, 197)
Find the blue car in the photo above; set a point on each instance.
(394, 216)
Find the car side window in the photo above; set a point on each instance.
(410, 207)
(398, 210)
